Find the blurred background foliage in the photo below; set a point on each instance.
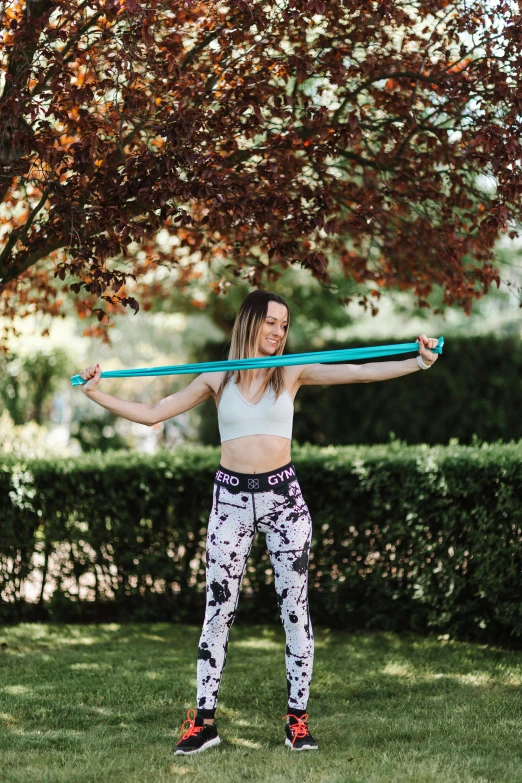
(29, 381)
(472, 392)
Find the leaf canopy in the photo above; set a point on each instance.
(381, 137)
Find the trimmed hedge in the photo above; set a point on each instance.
(405, 538)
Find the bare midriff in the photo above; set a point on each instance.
(255, 453)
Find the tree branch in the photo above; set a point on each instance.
(22, 55)
(51, 73)
(19, 234)
(32, 258)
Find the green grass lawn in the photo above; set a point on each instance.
(85, 704)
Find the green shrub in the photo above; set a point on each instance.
(27, 382)
(405, 537)
(97, 432)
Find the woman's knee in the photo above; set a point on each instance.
(218, 620)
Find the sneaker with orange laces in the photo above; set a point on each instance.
(197, 735)
(297, 735)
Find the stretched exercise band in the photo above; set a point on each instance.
(315, 357)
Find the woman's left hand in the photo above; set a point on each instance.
(425, 343)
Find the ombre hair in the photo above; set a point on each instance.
(245, 338)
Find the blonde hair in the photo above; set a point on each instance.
(244, 341)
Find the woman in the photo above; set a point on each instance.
(255, 489)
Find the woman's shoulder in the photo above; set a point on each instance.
(213, 379)
(292, 374)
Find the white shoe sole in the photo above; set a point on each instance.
(305, 747)
(209, 744)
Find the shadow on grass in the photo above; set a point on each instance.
(85, 691)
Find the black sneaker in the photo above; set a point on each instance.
(297, 735)
(198, 736)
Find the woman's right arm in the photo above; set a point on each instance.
(196, 392)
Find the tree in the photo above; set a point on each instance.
(258, 135)
(27, 382)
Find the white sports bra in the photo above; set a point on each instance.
(238, 418)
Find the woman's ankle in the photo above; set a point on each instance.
(208, 716)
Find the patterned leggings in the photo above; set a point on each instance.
(274, 506)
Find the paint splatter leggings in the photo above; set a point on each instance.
(281, 513)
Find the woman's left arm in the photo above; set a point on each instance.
(326, 374)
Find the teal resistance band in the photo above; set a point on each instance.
(315, 357)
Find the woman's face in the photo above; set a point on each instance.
(273, 329)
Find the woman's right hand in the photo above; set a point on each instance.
(92, 376)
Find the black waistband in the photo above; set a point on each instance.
(255, 482)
